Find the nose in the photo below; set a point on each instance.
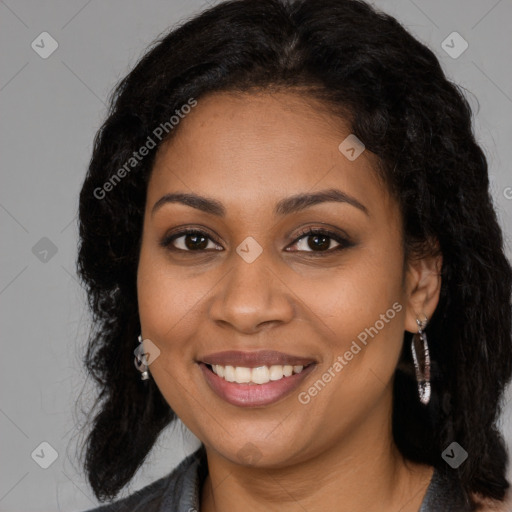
(252, 297)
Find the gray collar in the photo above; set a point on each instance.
(184, 491)
(444, 494)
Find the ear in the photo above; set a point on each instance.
(423, 287)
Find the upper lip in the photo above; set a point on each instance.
(255, 359)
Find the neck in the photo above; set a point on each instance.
(363, 472)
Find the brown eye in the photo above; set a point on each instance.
(320, 240)
(189, 240)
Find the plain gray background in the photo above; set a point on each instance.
(50, 111)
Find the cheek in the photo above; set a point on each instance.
(166, 310)
(165, 299)
(166, 315)
(353, 296)
(359, 310)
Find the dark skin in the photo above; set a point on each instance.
(336, 452)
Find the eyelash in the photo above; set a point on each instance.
(343, 242)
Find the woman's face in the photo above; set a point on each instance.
(252, 291)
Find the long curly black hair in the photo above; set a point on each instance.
(367, 68)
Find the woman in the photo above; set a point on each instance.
(288, 242)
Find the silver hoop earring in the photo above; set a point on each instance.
(140, 360)
(422, 367)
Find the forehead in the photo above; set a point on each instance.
(251, 147)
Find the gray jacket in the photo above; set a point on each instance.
(180, 490)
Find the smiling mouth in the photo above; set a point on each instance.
(254, 378)
(257, 375)
(257, 386)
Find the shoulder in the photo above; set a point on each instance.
(152, 497)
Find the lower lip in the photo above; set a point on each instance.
(253, 395)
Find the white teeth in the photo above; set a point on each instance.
(242, 375)
(276, 372)
(258, 375)
(229, 373)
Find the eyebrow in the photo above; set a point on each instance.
(285, 206)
